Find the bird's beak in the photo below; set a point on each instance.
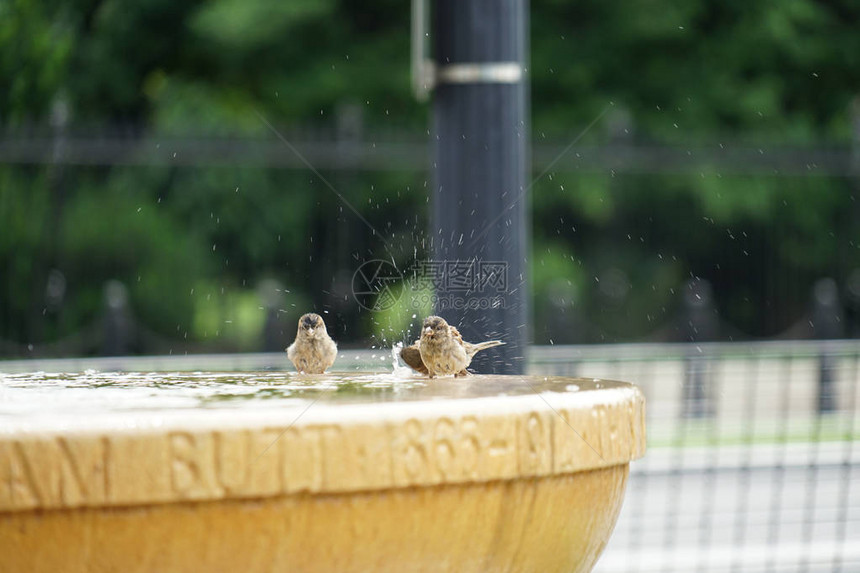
(311, 331)
(428, 331)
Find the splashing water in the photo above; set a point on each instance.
(399, 369)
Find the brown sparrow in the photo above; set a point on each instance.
(314, 351)
(412, 357)
(443, 350)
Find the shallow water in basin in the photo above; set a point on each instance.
(40, 392)
(44, 394)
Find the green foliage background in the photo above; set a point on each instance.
(203, 250)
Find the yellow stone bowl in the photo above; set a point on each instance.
(336, 473)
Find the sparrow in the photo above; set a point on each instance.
(313, 351)
(443, 350)
(412, 357)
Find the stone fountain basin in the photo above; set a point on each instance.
(276, 471)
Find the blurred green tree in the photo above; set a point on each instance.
(610, 251)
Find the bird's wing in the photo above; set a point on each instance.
(412, 357)
(455, 334)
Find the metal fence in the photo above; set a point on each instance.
(751, 462)
(349, 144)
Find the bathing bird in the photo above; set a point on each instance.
(412, 357)
(443, 350)
(313, 351)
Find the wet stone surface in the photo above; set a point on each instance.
(41, 394)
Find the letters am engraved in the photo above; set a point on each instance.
(128, 468)
(55, 473)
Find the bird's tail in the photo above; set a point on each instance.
(484, 345)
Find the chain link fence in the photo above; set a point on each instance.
(751, 463)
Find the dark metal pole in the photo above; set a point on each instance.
(700, 323)
(827, 320)
(481, 140)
